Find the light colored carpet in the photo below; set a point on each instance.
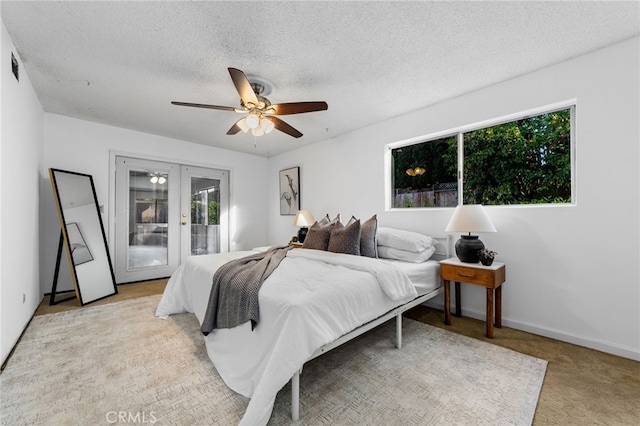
(118, 363)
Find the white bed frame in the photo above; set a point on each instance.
(443, 250)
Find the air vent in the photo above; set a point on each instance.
(14, 66)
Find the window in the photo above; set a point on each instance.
(424, 174)
(525, 161)
(205, 207)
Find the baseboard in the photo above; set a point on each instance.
(587, 342)
(13, 347)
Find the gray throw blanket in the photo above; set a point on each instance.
(234, 294)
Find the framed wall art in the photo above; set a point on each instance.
(289, 191)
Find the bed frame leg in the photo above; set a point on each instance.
(295, 396)
(399, 330)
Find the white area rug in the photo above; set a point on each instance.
(117, 363)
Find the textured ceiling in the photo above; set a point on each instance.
(122, 63)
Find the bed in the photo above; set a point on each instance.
(313, 302)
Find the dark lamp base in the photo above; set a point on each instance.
(467, 248)
(302, 234)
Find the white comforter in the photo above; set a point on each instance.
(311, 299)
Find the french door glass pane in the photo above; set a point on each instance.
(148, 213)
(205, 216)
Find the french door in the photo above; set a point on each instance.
(204, 211)
(164, 213)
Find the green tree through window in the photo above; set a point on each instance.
(198, 216)
(526, 161)
(522, 162)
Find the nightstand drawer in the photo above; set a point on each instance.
(472, 275)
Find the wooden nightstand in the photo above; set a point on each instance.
(491, 277)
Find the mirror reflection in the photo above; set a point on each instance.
(84, 236)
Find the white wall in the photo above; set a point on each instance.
(20, 160)
(86, 147)
(572, 271)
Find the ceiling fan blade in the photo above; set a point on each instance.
(243, 86)
(284, 127)
(235, 128)
(298, 107)
(224, 108)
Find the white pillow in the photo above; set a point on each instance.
(403, 240)
(406, 256)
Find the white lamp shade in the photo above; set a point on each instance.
(303, 218)
(252, 121)
(266, 124)
(242, 123)
(470, 218)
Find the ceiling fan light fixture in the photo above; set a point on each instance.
(416, 171)
(258, 108)
(242, 123)
(155, 177)
(266, 125)
(252, 121)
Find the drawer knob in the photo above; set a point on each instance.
(466, 274)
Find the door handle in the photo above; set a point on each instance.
(184, 222)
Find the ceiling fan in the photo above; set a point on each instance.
(261, 114)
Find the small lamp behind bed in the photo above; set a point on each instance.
(469, 218)
(304, 219)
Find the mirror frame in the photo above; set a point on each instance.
(95, 252)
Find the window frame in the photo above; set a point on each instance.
(461, 130)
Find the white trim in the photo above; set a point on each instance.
(423, 138)
(388, 180)
(552, 333)
(572, 152)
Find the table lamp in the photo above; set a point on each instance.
(469, 218)
(304, 219)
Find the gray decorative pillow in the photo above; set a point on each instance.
(325, 220)
(345, 239)
(368, 241)
(318, 236)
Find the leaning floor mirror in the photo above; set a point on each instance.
(82, 236)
